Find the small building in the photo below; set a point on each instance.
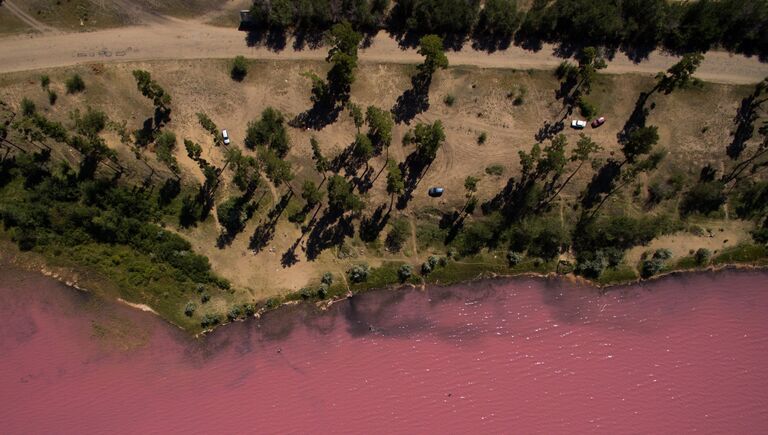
(245, 17)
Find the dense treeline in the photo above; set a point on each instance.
(49, 205)
(635, 26)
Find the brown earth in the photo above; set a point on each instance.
(694, 127)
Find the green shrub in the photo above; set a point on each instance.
(52, 97)
(239, 68)
(75, 84)
(405, 272)
(703, 255)
(358, 273)
(45, 81)
(449, 100)
(482, 138)
(398, 234)
(234, 313)
(426, 268)
(514, 258)
(496, 170)
(209, 320)
(327, 278)
(703, 198)
(587, 109)
(28, 108)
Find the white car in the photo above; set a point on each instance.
(225, 136)
(578, 124)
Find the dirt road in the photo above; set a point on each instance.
(178, 39)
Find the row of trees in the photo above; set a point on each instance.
(635, 25)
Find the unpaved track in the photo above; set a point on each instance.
(178, 39)
(26, 18)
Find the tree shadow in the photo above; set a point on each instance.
(414, 100)
(745, 118)
(413, 169)
(244, 207)
(638, 118)
(602, 182)
(322, 113)
(372, 226)
(265, 232)
(274, 39)
(330, 230)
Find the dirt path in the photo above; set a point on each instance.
(414, 241)
(179, 39)
(28, 19)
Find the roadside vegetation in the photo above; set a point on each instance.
(634, 26)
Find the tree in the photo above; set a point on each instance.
(269, 131)
(640, 142)
(75, 84)
(431, 47)
(362, 149)
(151, 89)
(311, 193)
(590, 62)
(164, 146)
(278, 170)
(452, 17)
(340, 195)
(231, 215)
(680, 74)
(582, 153)
(356, 114)
(246, 169)
(428, 139)
(380, 124)
(343, 57)
(194, 150)
(499, 19)
(470, 184)
(395, 182)
(322, 165)
(239, 68)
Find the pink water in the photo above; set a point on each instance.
(685, 354)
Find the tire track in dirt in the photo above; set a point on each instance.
(28, 19)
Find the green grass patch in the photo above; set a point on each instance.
(618, 275)
(743, 253)
(383, 276)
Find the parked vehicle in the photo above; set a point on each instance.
(436, 192)
(598, 122)
(578, 124)
(225, 136)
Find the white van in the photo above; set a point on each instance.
(225, 136)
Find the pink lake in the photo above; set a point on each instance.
(683, 354)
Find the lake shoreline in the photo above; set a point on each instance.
(71, 277)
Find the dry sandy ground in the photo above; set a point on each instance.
(172, 38)
(694, 126)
